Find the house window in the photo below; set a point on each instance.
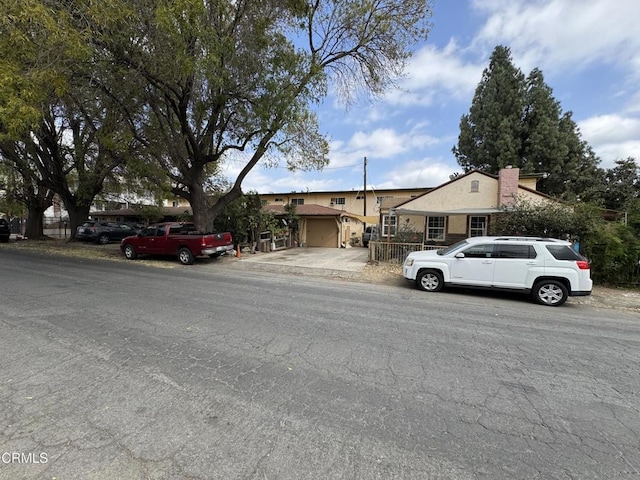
(435, 228)
(263, 202)
(297, 201)
(175, 203)
(338, 201)
(360, 196)
(477, 226)
(277, 199)
(475, 186)
(389, 224)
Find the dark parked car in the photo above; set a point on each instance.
(5, 230)
(103, 232)
(370, 234)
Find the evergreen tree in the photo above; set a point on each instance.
(490, 135)
(543, 149)
(622, 184)
(513, 121)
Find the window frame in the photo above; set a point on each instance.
(393, 225)
(483, 231)
(428, 228)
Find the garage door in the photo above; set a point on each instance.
(322, 232)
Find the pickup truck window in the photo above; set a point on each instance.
(149, 232)
(161, 230)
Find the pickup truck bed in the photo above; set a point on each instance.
(176, 239)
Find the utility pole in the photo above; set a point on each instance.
(365, 189)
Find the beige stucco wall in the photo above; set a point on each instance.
(457, 224)
(457, 195)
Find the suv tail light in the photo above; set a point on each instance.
(582, 264)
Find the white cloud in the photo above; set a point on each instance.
(418, 173)
(613, 137)
(379, 143)
(557, 34)
(436, 75)
(610, 128)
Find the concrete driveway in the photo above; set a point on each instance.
(341, 262)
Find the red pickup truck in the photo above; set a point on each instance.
(180, 239)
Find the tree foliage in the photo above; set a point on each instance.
(549, 219)
(65, 121)
(237, 79)
(622, 185)
(516, 121)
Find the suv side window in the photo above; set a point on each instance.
(516, 251)
(479, 251)
(563, 252)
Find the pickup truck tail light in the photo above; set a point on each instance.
(583, 264)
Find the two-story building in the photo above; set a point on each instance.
(336, 218)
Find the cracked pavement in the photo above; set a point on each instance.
(123, 370)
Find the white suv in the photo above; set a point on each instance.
(549, 269)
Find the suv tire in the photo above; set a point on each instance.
(430, 281)
(550, 292)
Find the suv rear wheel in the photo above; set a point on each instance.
(430, 281)
(550, 292)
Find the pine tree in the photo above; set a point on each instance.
(490, 135)
(513, 121)
(543, 148)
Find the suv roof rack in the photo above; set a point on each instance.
(531, 239)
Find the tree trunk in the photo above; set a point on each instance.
(77, 215)
(200, 206)
(35, 222)
(37, 203)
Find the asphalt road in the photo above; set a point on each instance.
(114, 370)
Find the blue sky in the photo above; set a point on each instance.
(588, 51)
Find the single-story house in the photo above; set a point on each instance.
(463, 207)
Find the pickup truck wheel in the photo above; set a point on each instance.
(103, 239)
(130, 252)
(185, 256)
(430, 281)
(550, 292)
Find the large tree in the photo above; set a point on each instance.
(516, 121)
(66, 114)
(238, 78)
(622, 184)
(491, 133)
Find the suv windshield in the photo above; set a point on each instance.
(451, 248)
